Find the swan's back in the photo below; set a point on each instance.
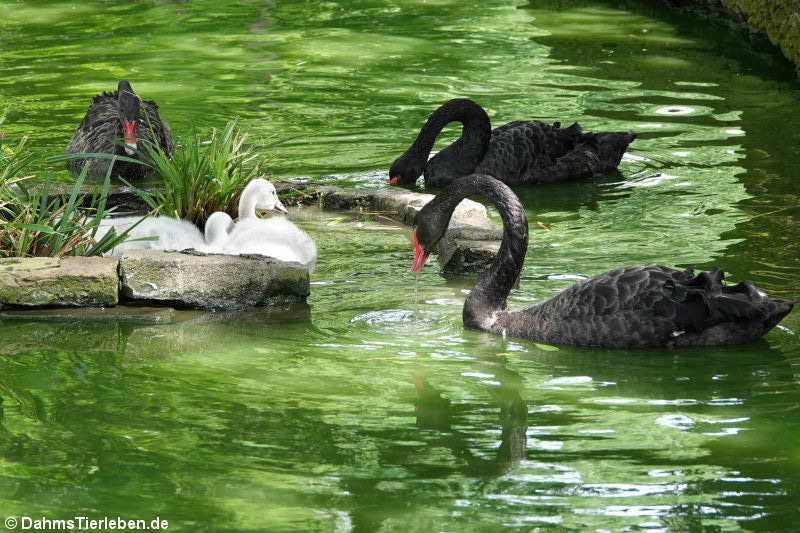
(648, 306)
(274, 237)
(288, 234)
(530, 152)
(171, 233)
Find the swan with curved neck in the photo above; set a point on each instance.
(272, 237)
(215, 232)
(259, 194)
(120, 114)
(641, 306)
(522, 152)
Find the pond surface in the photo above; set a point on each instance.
(368, 411)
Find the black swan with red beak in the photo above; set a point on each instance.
(522, 152)
(641, 306)
(119, 115)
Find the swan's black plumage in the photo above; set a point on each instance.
(641, 306)
(522, 152)
(104, 121)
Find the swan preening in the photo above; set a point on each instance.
(522, 152)
(275, 237)
(642, 306)
(119, 115)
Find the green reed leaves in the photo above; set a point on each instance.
(203, 176)
(35, 223)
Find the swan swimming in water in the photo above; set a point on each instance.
(522, 152)
(272, 237)
(641, 306)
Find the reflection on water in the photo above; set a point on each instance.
(371, 408)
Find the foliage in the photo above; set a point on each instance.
(32, 223)
(13, 161)
(203, 176)
(199, 178)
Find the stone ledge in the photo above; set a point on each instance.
(210, 281)
(152, 277)
(120, 313)
(468, 248)
(66, 281)
(779, 20)
(470, 243)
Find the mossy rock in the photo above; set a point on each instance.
(59, 282)
(213, 281)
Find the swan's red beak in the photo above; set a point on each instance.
(129, 136)
(420, 255)
(394, 181)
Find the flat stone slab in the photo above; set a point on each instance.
(210, 281)
(466, 249)
(470, 243)
(59, 282)
(120, 313)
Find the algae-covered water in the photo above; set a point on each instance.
(368, 411)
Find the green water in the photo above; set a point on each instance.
(366, 411)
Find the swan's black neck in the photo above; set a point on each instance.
(490, 293)
(475, 132)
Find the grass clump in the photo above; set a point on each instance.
(203, 176)
(13, 161)
(34, 224)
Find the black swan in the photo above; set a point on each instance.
(119, 115)
(522, 152)
(642, 306)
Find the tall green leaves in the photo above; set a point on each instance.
(13, 160)
(203, 176)
(34, 223)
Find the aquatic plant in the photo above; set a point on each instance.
(198, 178)
(203, 176)
(13, 161)
(34, 223)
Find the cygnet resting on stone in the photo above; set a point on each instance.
(272, 237)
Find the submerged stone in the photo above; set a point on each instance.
(59, 282)
(467, 248)
(211, 281)
(195, 331)
(120, 313)
(470, 243)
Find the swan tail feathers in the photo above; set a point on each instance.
(610, 147)
(575, 130)
(701, 302)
